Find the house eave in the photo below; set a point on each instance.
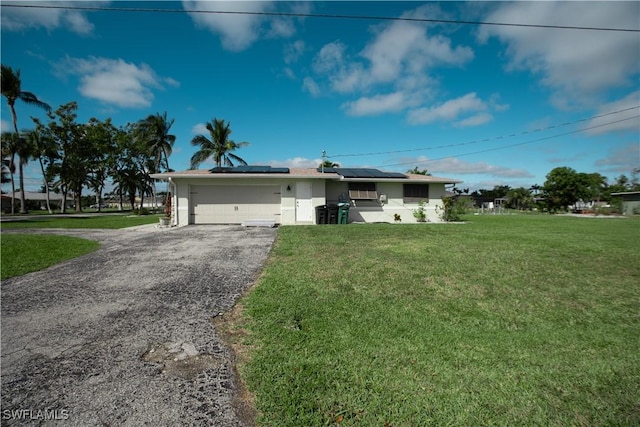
(166, 176)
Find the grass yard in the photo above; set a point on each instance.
(83, 221)
(506, 320)
(24, 253)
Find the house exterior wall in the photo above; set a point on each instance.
(182, 208)
(376, 211)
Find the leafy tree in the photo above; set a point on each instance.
(6, 169)
(10, 146)
(564, 187)
(101, 136)
(75, 153)
(219, 146)
(128, 166)
(519, 198)
(417, 171)
(43, 150)
(12, 90)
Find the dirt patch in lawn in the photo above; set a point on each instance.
(233, 336)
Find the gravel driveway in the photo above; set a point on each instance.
(124, 336)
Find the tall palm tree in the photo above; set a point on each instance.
(12, 90)
(154, 131)
(9, 149)
(41, 148)
(219, 147)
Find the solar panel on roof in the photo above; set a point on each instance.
(365, 173)
(248, 169)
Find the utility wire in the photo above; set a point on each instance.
(321, 15)
(509, 146)
(485, 139)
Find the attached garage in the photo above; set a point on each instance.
(255, 195)
(233, 204)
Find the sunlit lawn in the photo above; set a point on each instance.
(82, 221)
(24, 253)
(505, 320)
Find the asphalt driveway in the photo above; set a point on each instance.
(124, 336)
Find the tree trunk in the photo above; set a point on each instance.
(12, 170)
(23, 206)
(63, 204)
(46, 185)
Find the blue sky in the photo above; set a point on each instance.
(489, 105)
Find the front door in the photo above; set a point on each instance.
(304, 208)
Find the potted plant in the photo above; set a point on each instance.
(165, 220)
(419, 214)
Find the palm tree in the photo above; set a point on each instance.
(12, 90)
(9, 149)
(154, 131)
(219, 147)
(41, 147)
(328, 164)
(154, 135)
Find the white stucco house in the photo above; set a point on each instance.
(287, 196)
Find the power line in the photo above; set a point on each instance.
(485, 139)
(510, 146)
(321, 15)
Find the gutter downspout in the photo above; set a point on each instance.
(174, 204)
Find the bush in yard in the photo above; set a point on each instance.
(454, 208)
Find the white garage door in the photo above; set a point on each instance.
(232, 204)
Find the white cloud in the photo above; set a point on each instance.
(377, 104)
(239, 31)
(311, 86)
(622, 160)
(5, 126)
(451, 110)
(578, 65)
(114, 81)
(453, 165)
(475, 120)
(392, 72)
(296, 162)
(200, 129)
(18, 19)
(293, 51)
(632, 124)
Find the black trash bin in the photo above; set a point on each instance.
(321, 214)
(332, 214)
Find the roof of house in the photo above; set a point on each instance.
(342, 174)
(625, 193)
(30, 195)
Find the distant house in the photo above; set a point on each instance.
(40, 198)
(235, 195)
(630, 202)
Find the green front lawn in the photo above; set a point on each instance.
(83, 221)
(506, 320)
(24, 253)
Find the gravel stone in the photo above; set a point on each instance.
(124, 336)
